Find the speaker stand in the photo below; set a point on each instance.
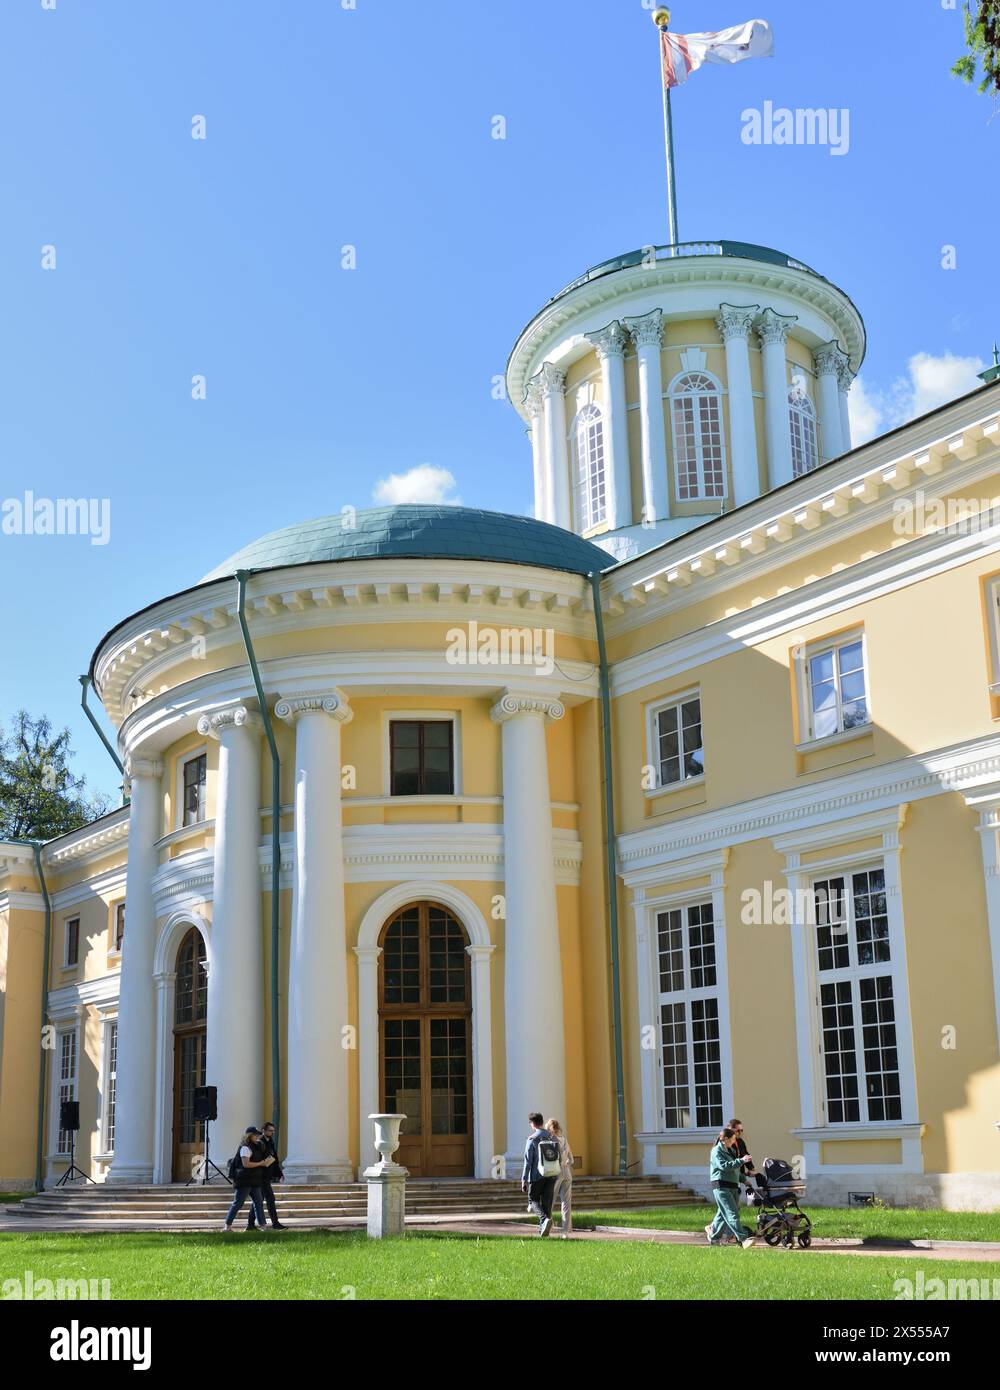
(73, 1171)
(208, 1168)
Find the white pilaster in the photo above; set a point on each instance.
(136, 1086)
(368, 1089)
(318, 1078)
(734, 323)
(828, 360)
(533, 996)
(773, 330)
(648, 334)
(235, 1041)
(845, 379)
(553, 384)
(534, 401)
(610, 343)
(989, 838)
(482, 1060)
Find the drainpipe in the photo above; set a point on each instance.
(241, 587)
(85, 685)
(611, 845)
(36, 845)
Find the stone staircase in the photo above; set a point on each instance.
(176, 1207)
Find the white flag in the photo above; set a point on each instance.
(682, 53)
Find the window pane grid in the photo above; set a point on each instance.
(690, 1029)
(699, 453)
(67, 1083)
(679, 742)
(589, 470)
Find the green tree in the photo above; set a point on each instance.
(39, 795)
(982, 36)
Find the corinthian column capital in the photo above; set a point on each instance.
(609, 342)
(552, 380)
(828, 359)
(774, 328)
(736, 320)
(534, 398)
(217, 723)
(845, 377)
(331, 702)
(647, 331)
(515, 702)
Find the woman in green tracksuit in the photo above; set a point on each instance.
(725, 1170)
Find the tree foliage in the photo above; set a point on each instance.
(39, 795)
(982, 36)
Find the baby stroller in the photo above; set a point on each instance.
(780, 1219)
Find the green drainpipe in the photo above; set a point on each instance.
(612, 875)
(241, 582)
(36, 845)
(85, 685)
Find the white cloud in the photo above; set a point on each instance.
(929, 382)
(424, 483)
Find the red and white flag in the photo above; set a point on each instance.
(682, 53)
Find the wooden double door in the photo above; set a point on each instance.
(425, 1039)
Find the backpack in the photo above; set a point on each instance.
(234, 1170)
(549, 1158)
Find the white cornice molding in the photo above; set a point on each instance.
(885, 824)
(710, 864)
(66, 1001)
(21, 902)
(831, 802)
(105, 886)
(90, 842)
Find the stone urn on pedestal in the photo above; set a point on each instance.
(386, 1180)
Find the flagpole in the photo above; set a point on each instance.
(661, 18)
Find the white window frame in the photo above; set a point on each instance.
(182, 762)
(68, 964)
(653, 713)
(586, 519)
(426, 716)
(114, 953)
(73, 1093)
(803, 658)
(110, 1026)
(687, 997)
(673, 394)
(801, 407)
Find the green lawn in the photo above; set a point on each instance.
(871, 1223)
(336, 1265)
(14, 1196)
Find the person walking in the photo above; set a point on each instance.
(541, 1169)
(272, 1175)
(248, 1169)
(742, 1152)
(563, 1193)
(725, 1169)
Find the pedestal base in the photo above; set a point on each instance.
(299, 1171)
(133, 1176)
(386, 1200)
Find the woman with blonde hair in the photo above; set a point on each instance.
(564, 1183)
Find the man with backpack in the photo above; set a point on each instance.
(542, 1167)
(247, 1169)
(274, 1174)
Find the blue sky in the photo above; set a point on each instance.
(371, 127)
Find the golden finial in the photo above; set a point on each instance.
(661, 17)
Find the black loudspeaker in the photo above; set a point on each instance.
(69, 1115)
(205, 1103)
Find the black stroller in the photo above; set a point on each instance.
(780, 1219)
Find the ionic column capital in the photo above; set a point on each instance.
(736, 320)
(774, 328)
(647, 331)
(331, 702)
(551, 379)
(514, 702)
(142, 767)
(610, 341)
(829, 359)
(220, 721)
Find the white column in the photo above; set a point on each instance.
(989, 837)
(773, 331)
(610, 343)
(827, 361)
(734, 323)
(648, 334)
(533, 997)
(318, 1051)
(845, 378)
(235, 1041)
(136, 1083)
(369, 1102)
(534, 402)
(482, 1060)
(553, 383)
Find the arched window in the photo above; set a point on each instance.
(802, 423)
(588, 468)
(699, 450)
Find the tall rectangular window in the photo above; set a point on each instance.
(110, 1087)
(118, 928)
(856, 1005)
(690, 1026)
(193, 790)
(837, 687)
(678, 751)
(421, 757)
(67, 1082)
(72, 954)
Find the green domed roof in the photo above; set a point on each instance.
(420, 532)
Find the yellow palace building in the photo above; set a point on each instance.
(676, 801)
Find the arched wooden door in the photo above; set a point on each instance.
(425, 1039)
(190, 1034)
